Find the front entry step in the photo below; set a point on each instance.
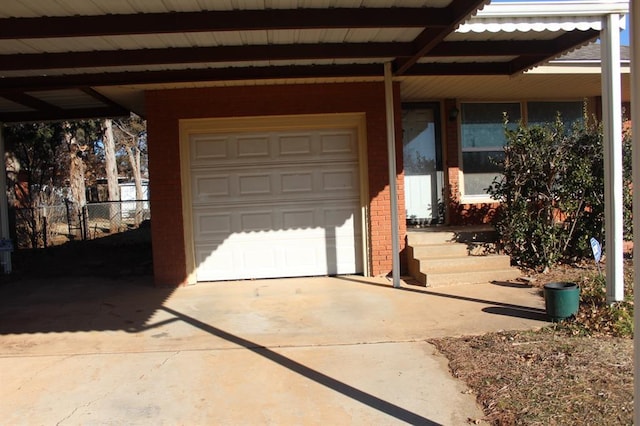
(441, 257)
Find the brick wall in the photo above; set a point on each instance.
(166, 107)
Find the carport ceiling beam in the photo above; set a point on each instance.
(30, 102)
(443, 68)
(63, 114)
(565, 42)
(458, 11)
(113, 58)
(105, 100)
(491, 48)
(185, 76)
(237, 73)
(236, 20)
(187, 55)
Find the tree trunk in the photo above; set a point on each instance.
(76, 178)
(111, 170)
(76, 175)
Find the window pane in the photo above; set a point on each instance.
(482, 124)
(481, 161)
(480, 170)
(539, 113)
(477, 183)
(482, 135)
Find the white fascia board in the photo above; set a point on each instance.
(572, 69)
(549, 9)
(544, 16)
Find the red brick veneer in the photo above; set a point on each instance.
(166, 107)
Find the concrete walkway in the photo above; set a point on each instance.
(346, 350)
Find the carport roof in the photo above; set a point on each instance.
(64, 59)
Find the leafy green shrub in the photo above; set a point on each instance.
(552, 192)
(549, 192)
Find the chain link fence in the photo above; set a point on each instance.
(54, 225)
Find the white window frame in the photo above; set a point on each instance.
(479, 198)
(524, 113)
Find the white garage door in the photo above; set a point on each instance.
(275, 204)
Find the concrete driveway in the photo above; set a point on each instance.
(346, 350)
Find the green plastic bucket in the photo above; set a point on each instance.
(561, 300)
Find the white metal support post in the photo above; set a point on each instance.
(612, 124)
(393, 190)
(5, 256)
(634, 22)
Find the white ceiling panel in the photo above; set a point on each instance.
(466, 59)
(67, 98)
(35, 48)
(33, 8)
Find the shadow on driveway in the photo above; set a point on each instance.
(85, 304)
(500, 308)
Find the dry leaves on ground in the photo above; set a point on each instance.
(545, 377)
(579, 371)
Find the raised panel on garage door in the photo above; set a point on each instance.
(269, 204)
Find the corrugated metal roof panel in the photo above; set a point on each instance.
(67, 99)
(466, 59)
(523, 22)
(33, 8)
(539, 24)
(487, 88)
(194, 66)
(7, 105)
(494, 36)
(200, 39)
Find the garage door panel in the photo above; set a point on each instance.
(295, 145)
(342, 220)
(293, 219)
(214, 264)
(253, 147)
(210, 225)
(250, 259)
(286, 183)
(282, 219)
(296, 181)
(254, 184)
(273, 146)
(340, 143)
(207, 148)
(211, 187)
(257, 221)
(339, 180)
(269, 204)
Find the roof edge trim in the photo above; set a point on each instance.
(550, 9)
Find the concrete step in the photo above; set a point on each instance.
(470, 264)
(463, 255)
(451, 235)
(477, 277)
(431, 251)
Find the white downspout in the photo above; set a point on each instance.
(5, 256)
(634, 24)
(612, 124)
(393, 190)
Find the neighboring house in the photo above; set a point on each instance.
(268, 144)
(131, 203)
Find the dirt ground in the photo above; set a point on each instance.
(574, 372)
(546, 378)
(119, 255)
